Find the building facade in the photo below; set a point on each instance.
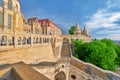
(16, 31)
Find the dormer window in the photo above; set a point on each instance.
(10, 5)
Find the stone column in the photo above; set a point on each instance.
(31, 42)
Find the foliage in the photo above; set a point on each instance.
(103, 53)
(115, 46)
(71, 30)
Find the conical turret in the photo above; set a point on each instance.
(85, 32)
(77, 30)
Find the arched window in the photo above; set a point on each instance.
(0, 2)
(10, 5)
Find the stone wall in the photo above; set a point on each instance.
(30, 55)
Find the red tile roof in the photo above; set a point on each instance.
(48, 21)
(41, 21)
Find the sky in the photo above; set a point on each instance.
(101, 17)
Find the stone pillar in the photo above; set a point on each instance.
(31, 42)
(7, 41)
(15, 39)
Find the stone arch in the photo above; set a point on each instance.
(29, 40)
(60, 76)
(40, 40)
(24, 41)
(37, 40)
(4, 40)
(19, 40)
(11, 40)
(47, 40)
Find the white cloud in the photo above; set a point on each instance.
(104, 21)
(113, 3)
(114, 36)
(107, 31)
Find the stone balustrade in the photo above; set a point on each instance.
(11, 40)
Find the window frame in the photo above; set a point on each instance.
(10, 5)
(9, 21)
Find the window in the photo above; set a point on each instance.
(9, 5)
(0, 2)
(0, 20)
(9, 21)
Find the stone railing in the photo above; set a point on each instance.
(93, 70)
(11, 40)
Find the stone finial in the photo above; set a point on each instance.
(85, 32)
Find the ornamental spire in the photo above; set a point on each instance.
(77, 30)
(85, 32)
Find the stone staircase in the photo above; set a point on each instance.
(90, 71)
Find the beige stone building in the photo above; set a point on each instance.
(16, 30)
(34, 49)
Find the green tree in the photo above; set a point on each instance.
(101, 53)
(115, 46)
(71, 30)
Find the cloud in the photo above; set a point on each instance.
(104, 21)
(114, 36)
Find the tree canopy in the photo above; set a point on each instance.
(71, 30)
(102, 53)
